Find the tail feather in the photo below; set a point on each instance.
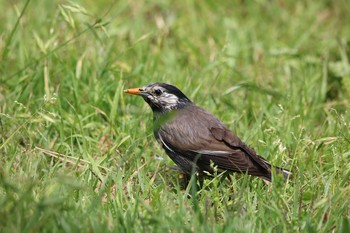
(278, 170)
(286, 173)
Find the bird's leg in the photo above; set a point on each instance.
(184, 180)
(268, 183)
(231, 183)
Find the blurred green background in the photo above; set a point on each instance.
(77, 155)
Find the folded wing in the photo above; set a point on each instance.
(209, 141)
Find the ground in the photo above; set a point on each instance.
(78, 155)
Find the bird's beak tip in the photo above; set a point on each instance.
(133, 91)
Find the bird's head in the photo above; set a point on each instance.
(161, 97)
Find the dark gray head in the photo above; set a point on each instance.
(161, 97)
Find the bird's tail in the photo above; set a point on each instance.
(278, 170)
(286, 173)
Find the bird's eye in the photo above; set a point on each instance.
(158, 92)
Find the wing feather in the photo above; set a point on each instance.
(197, 132)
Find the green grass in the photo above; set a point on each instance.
(77, 155)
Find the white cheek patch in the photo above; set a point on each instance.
(169, 100)
(151, 98)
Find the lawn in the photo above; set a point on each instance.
(78, 155)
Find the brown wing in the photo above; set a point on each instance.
(195, 132)
(226, 136)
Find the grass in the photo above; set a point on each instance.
(77, 155)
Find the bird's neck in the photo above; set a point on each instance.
(161, 118)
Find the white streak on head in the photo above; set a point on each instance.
(166, 100)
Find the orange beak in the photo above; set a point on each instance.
(133, 91)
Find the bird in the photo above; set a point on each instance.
(196, 140)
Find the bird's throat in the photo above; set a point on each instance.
(161, 118)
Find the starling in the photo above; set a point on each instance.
(195, 139)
